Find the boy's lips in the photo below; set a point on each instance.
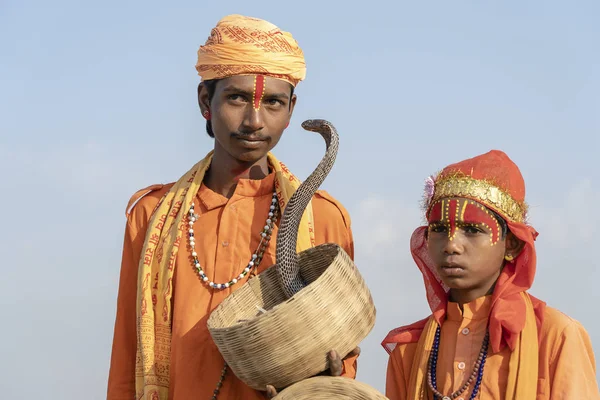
(452, 265)
(452, 269)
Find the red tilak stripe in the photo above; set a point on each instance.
(259, 88)
(452, 220)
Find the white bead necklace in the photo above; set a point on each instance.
(254, 260)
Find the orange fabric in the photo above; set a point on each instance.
(227, 232)
(494, 166)
(566, 367)
(241, 45)
(522, 361)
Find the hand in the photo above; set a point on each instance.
(336, 364)
(335, 368)
(271, 392)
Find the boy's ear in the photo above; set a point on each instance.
(514, 245)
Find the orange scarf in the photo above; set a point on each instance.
(166, 230)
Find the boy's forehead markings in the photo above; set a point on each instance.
(459, 212)
(462, 210)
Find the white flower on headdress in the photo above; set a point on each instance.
(428, 192)
(429, 188)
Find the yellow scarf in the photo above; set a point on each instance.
(523, 363)
(166, 230)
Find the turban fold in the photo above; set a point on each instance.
(241, 45)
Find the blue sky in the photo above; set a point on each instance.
(98, 100)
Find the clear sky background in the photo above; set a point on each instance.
(98, 99)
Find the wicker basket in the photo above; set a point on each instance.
(290, 341)
(330, 388)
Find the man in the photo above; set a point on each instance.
(487, 337)
(189, 244)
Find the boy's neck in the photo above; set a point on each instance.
(465, 296)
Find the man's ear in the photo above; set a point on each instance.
(203, 100)
(292, 105)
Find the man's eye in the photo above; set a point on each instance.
(235, 97)
(274, 102)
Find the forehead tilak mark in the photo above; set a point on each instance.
(459, 209)
(259, 91)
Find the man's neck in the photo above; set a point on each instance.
(224, 173)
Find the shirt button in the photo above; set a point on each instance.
(465, 331)
(225, 243)
(461, 365)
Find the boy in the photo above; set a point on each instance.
(487, 337)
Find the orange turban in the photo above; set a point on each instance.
(241, 45)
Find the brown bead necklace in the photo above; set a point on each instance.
(476, 375)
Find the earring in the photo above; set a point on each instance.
(509, 257)
(206, 114)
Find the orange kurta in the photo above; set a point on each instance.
(227, 234)
(567, 367)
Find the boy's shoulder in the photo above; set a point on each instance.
(403, 336)
(556, 319)
(557, 325)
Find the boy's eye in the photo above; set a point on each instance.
(438, 228)
(472, 229)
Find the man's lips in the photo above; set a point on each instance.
(249, 138)
(250, 142)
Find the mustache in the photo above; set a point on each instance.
(254, 136)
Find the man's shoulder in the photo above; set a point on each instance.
(326, 204)
(143, 202)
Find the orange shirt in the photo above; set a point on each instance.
(227, 234)
(567, 368)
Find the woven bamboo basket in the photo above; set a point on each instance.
(290, 341)
(279, 326)
(330, 388)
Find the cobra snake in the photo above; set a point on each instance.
(288, 266)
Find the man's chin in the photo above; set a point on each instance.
(250, 156)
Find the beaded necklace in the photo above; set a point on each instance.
(265, 237)
(254, 260)
(476, 375)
